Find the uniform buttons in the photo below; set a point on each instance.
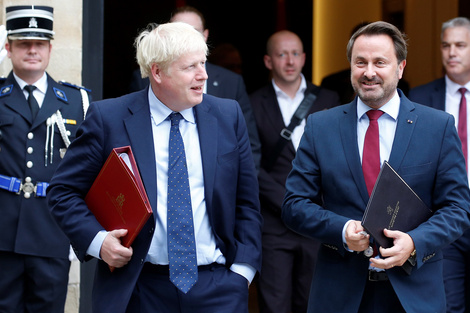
(27, 179)
(30, 150)
(29, 164)
(27, 195)
(68, 133)
(30, 135)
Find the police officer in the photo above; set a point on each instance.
(38, 119)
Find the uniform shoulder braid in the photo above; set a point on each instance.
(64, 83)
(84, 92)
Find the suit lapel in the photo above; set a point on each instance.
(348, 130)
(405, 125)
(139, 129)
(207, 126)
(213, 83)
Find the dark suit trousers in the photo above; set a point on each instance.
(457, 275)
(32, 284)
(286, 272)
(218, 290)
(379, 297)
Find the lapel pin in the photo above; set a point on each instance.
(410, 121)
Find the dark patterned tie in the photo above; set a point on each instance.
(33, 104)
(371, 151)
(462, 127)
(181, 242)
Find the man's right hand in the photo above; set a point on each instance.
(112, 252)
(356, 240)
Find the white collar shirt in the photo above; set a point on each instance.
(288, 106)
(40, 91)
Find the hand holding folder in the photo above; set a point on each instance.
(393, 205)
(117, 197)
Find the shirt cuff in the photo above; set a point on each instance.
(95, 246)
(344, 236)
(245, 270)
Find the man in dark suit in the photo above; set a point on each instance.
(221, 177)
(221, 82)
(335, 169)
(34, 135)
(288, 258)
(444, 94)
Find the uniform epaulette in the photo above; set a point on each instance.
(62, 82)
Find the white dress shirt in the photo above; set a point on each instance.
(206, 248)
(387, 127)
(41, 87)
(288, 106)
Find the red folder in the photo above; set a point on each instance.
(117, 197)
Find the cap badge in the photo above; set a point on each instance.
(33, 23)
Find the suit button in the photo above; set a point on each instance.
(29, 164)
(30, 150)
(30, 135)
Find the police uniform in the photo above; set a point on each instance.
(32, 246)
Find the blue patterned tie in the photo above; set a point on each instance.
(181, 243)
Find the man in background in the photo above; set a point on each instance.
(221, 83)
(288, 258)
(451, 93)
(39, 119)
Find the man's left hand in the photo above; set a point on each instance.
(397, 255)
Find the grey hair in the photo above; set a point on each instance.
(455, 22)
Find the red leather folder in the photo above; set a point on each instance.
(117, 197)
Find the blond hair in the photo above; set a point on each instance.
(165, 43)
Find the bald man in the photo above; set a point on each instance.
(288, 258)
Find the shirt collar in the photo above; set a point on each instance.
(41, 83)
(453, 88)
(160, 111)
(302, 87)
(392, 107)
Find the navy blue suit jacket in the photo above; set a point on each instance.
(221, 83)
(432, 94)
(26, 226)
(326, 188)
(231, 187)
